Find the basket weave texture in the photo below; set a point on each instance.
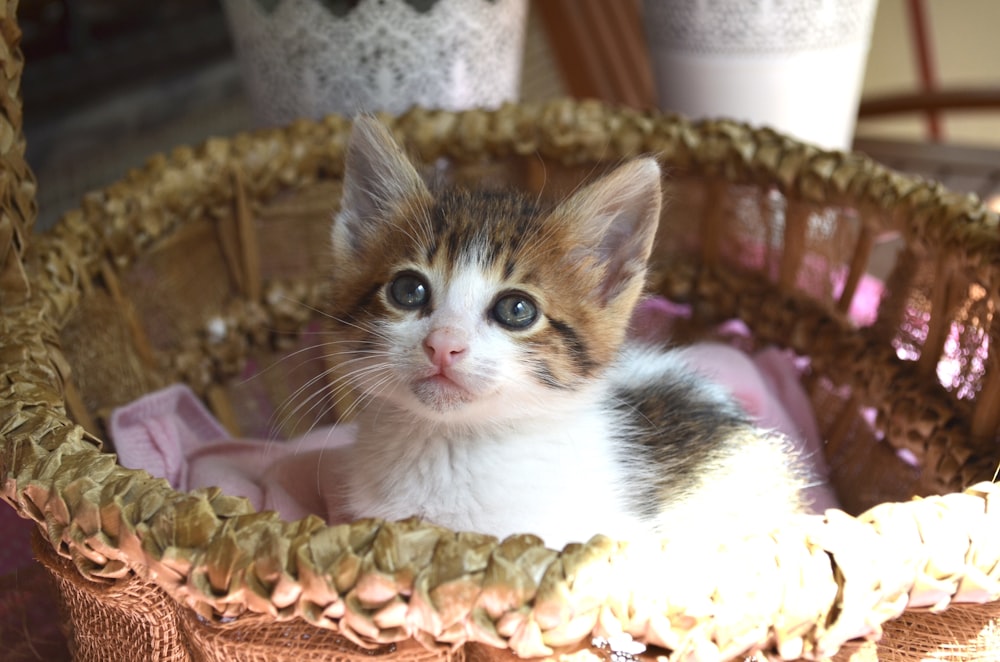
(119, 298)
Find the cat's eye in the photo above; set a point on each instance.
(515, 311)
(409, 290)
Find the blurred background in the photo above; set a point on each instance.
(110, 82)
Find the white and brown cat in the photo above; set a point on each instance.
(485, 336)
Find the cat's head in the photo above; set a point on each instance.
(458, 305)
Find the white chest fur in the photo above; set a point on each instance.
(555, 477)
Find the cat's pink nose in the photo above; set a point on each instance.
(445, 346)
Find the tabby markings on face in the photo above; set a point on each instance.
(454, 294)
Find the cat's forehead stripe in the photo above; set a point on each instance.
(508, 269)
(492, 226)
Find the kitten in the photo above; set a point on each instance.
(485, 336)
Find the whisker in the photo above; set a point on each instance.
(370, 395)
(318, 396)
(282, 361)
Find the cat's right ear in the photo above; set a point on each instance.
(378, 177)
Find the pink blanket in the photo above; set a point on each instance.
(172, 435)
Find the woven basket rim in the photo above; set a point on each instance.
(739, 152)
(225, 559)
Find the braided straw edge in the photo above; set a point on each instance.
(18, 208)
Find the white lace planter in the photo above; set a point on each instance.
(308, 58)
(795, 65)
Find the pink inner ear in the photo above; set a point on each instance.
(627, 263)
(621, 212)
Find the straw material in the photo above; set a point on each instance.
(17, 184)
(130, 292)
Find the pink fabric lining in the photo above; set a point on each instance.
(171, 434)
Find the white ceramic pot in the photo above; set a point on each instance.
(308, 58)
(794, 65)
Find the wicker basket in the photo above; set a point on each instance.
(116, 301)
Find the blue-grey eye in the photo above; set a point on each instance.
(515, 311)
(409, 290)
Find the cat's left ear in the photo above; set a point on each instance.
(377, 178)
(617, 217)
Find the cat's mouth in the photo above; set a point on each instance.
(441, 392)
